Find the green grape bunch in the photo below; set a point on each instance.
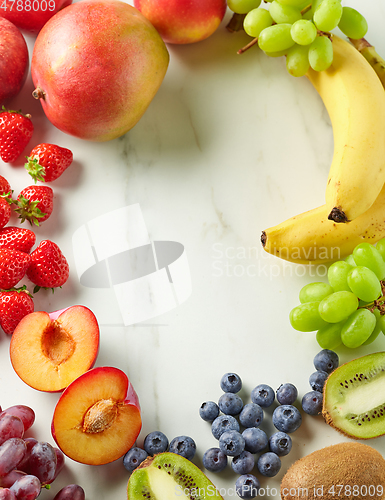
(298, 29)
(350, 308)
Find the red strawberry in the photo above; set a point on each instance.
(5, 188)
(48, 268)
(13, 266)
(16, 131)
(14, 305)
(5, 212)
(17, 238)
(46, 162)
(35, 204)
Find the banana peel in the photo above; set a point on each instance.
(311, 238)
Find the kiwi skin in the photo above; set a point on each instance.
(331, 473)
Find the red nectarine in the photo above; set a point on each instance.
(183, 21)
(97, 418)
(48, 352)
(96, 65)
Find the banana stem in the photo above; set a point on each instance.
(373, 58)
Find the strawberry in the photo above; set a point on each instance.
(16, 131)
(35, 204)
(5, 212)
(48, 268)
(13, 266)
(14, 305)
(5, 188)
(46, 162)
(17, 238)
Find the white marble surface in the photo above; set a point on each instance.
(229, 146)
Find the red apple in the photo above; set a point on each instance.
(183, 21)
(97, 418)
(48, 351)
(14, 60)
(34, 13)
(96, 65)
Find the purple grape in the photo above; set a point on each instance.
(25, 413)
(10, 427)
(42, 462)
(7, 494)
(26, 488)
(70, 492)
(12, 452)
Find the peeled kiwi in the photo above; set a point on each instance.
(354, 397)
(168, 475)
(341, 471)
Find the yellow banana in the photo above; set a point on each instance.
(310, 238)
(355, 100)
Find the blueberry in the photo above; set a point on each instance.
(286, 418)
(230, 404)
(155, 442)
(222, 424)
(247, 486)
(255, 439)
(231, 382)
(312, 402)
(209, 411)
(317, 380)
(214, 460)
(183, 446)
(269, 464)
(326, 360)
(263, 395)
(232, 443)
(251, 415)
(243, 463)
(280, 444)
(286, 394)
(133, 458)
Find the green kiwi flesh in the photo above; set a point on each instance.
(168, 475)
(354, 397)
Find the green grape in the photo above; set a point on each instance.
(327, 15)
(381, 322)
(314, 292)
(358, 328)
(256, 21)
(352, 23)
(279, 53)
(297, 60)
(303, 32)
(306, 318)
(284, 13)
(367, 255)
(295, 3)
(275, 38)
(380, 247)
(338, 275)
(350, 260)
(338, 306)
(243, 6)
(364, 283)
(329, 337)
(321, 53)
(377, 328)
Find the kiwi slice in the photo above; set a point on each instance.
(168, 475)
(354, 397)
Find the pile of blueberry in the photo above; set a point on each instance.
(236, 427)
(324, 362)
(157, 442)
